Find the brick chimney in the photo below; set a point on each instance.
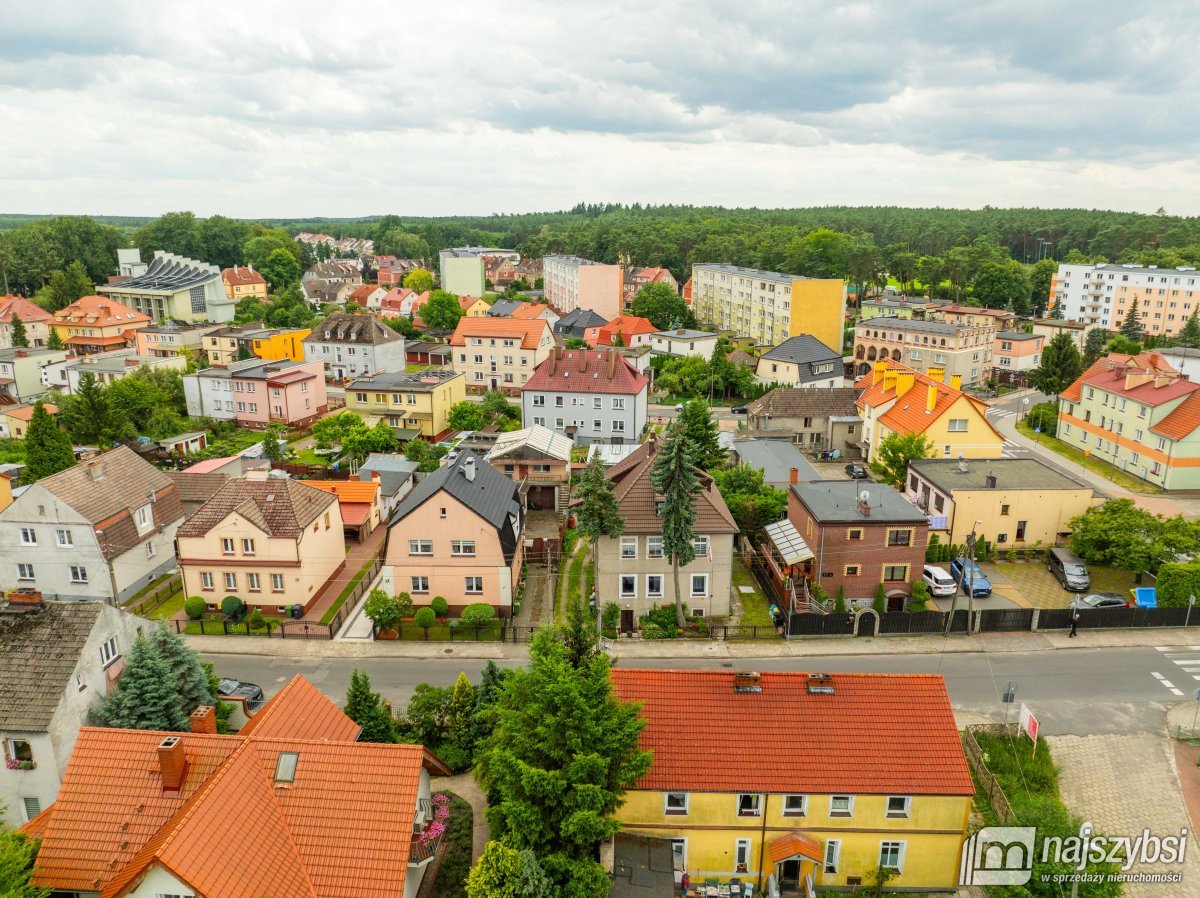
(172, 763)
(794, 475)
(612, 364)
(204, 720)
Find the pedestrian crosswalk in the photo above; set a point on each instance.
(1000, 413)
(1186, 659)
(1014, 450)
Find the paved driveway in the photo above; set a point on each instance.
(1030, 585)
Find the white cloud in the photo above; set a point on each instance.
(300, 108)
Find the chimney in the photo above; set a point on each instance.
(1136, 379)
(96, 471)
(877, 371)
(612, 365)
(468, 468)
(936, 372)
(204, 720)
(583, 360)
(747, 681)
(956, 381)
(989, 482)
(794, 475)
(1162, 380)
(889, 379)
(904, 382)
(863, 503)
(172, 763)
(820, 684)
(931, 397)
(131, 363)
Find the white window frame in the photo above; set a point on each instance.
(462, 548)
(632, 578)
(700, 546)
(833, 855)
(650, 591)
(755, 808)
(228, 545)
(28, 536)
(230, 580)
(206, 580)
(247, 546)
(78, 573)
(253, 582)
(849, 812)
(420, 584)
(679, 811)
(801, 811)
(25, 571)
(901, 813)
(418, 547)
(277, 583)
(898, 846)
(65, 539)
(692, 586)
(654, 547)
(629, 547)
(110, 651)
(473, 586)
(952, 425)
(743, 848)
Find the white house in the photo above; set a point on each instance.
(355, 346)
(683, 342)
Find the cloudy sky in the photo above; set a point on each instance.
(264, 108)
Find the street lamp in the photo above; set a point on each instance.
(1024, 408)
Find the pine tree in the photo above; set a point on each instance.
(491, 684)
(1132, 327)
(87, 413)
(379, 726)
(20, 340)
(703, 434)
(675, 477)
(1189, 334)
(462, 710)
(366, 708)
(55, 340)
(1093, 345)
(187, 674)
(598, 514)
(579, 633)
(47, 448)
(1061, 365)
(145, 698)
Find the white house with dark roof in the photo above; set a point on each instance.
(801, 361)
(355, 346)
(683, 341)
(57, 660)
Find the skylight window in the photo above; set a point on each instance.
(285, 767)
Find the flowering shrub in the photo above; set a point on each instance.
(431, 833)
(16, 764)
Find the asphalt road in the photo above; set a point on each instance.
(1080, 691)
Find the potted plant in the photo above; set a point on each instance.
(383, 611)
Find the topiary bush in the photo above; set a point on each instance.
(194, 607)
(425, 618)
(477, 615)
(257, 621)
(231, 607)
(440, 606)
(1176, 583)
(839, 606)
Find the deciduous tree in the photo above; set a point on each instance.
(751, 501)
(890, 465)
(1121, 534)
(17, 854)
(419, 279)
(662, 306)
(467, 415)
(503, 872)
(1003, 284)
(281, 269)
(441, 310)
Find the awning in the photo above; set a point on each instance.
(355, 514)
(793, 844)
(788, 542)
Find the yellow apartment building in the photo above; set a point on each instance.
(420, 401)
(223, 347)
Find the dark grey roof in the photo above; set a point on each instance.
(913, 324)
(394, 471)
(575, 322)
(757, 273)
(1019, 335)
(837, 500)
(168, 272)
(416, 382)
(1010, 473)
(775, 458)
(39, 651)
(502, 308)
(803, 349)
(491, 495)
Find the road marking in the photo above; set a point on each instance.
(1181, 649)
(1167, 684)
(1157, 675)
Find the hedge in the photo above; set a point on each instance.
(1177, 583)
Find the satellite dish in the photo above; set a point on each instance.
(864, 496)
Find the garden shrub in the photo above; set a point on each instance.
(477, 615)
(231, 607)
(425, 618)
(1176, 583)
(195, 607)
(440, 606)
(257, 621)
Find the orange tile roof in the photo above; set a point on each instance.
(628, 326)
(241, 274)
(348, 491)
(530, 332)
(340, 829)
(1181, 420)
(99, 311)
(792, 844)
(528, 310)
(862, 739)
(23, 309)
(25, 412)
(1149, 361)
(465, 302)
(908, 414)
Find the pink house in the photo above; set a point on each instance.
(254, 393)
(1016, 354)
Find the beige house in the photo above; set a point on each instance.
(458, 535)
(633, 570)
(272, 543)
(499, 353)
(818, 420)
(960, 350)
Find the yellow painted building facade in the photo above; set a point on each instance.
(421, 400)
(270, 345)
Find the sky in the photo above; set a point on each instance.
(299, 108)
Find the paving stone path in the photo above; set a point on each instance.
(465, 787)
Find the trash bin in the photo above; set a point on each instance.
(297, 612)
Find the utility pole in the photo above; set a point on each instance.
(970, 559)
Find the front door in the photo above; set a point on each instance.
(789, 874)
(627, 623)
(495, 384)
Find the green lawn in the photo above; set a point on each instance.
(310, 457)
(756, 610)
(1103, 468)
(341, 599)
(212, 627)
(169, 608)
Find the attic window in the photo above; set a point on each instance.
(285, 767)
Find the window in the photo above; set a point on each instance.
(227, 545)
(618, 403)
(78, 574)
(285, 766)
(597, 424)
(420, 547)
(629, 546)
(654, 547)
(465, 547)
(654, 586)
(109, 651)
(277, 583)
(206, 581)
(33, 807)
(64, 538)
(741, 855)
(628, 586)
(841, 805)
(679, 854)
(957, 425)
(833, 854)
(891, 855)
(539, 399)
(749, 805)
(853, 570)
(474, 585)
(675, 803)
(700, 546)
(899, 537)
(854, 533)
(1003, 509)
(230, 580)
(699, 585)
(597, 402)
(420, 584)
(898, 805)
(150, 550)
(442, 513)
(1021, 527)
(28, 536)
(24, 571)
(795, 805)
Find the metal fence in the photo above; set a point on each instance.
(915, 622)
(285, 629)
(1006, 619)
(456, 632)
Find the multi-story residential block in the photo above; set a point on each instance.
(1011, 502)
(355, 346)
(458, 534)
(538, 458)
(683, 342)
(1104, 294)
(174, 287)
(272, 543)
(57, 660)
(37, 321)
(101, 530)
(576, 324)
(890, 305)
(107, 367)
(243, 282)
(819, 420)
(255, 393)
(243, 342)
(1015, 354)
(572, 283)
(971, 316)
(629, 331)
(14, 422)
(21, 373)
(821, 800)
(1049, 328)
(894, 398)
(98, 324)
(173, 338)
(418, 402)
(801, 361)
(964, 350)
(592, 395)
(637, 278)
(1138, 414)
(462, 267)
(769, 306)
(499, 353)
(860, 541)
(193, 820)
(632, 569)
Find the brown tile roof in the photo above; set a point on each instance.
(741, 357)
(39, 651)
(587, 371)
(23, 309)
(639, 502)
(280, 508)
(240, 275)
(791, 402)
(530, 332)
(197, 487)
(859, 740)
(107, 489)
(343, 327)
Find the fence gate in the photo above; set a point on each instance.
(1006, 619)
(865, 626)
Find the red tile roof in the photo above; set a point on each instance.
(877, 734)
(241, 275)
(362, 294)
(587, 371)
(1181, 420)
(340, 828)
(99, 311)
(529, 332)
(628, 326)
(792, 844)
(528, 310)
(1149, 361)
(23, 309)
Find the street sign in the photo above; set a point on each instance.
(1010, 692)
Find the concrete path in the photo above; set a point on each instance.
(537, 605)
(465, 787)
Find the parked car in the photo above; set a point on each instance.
(679, 407)
(856, 472)
(1069, 570)
(739, 410)
(939, 582)
(237, 689)
(965, 571)
(1099, 600)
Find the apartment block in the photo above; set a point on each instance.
(963, 350)
(462, 267)
(769, 306)
(419, 402)
(499, 353)
(573, 283)
(1015, 354)
(1103, 295)
(173, 338)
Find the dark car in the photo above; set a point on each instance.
(966, 572)
(856, 472)
(1099, 600)
(237, 689)
(739, 410)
